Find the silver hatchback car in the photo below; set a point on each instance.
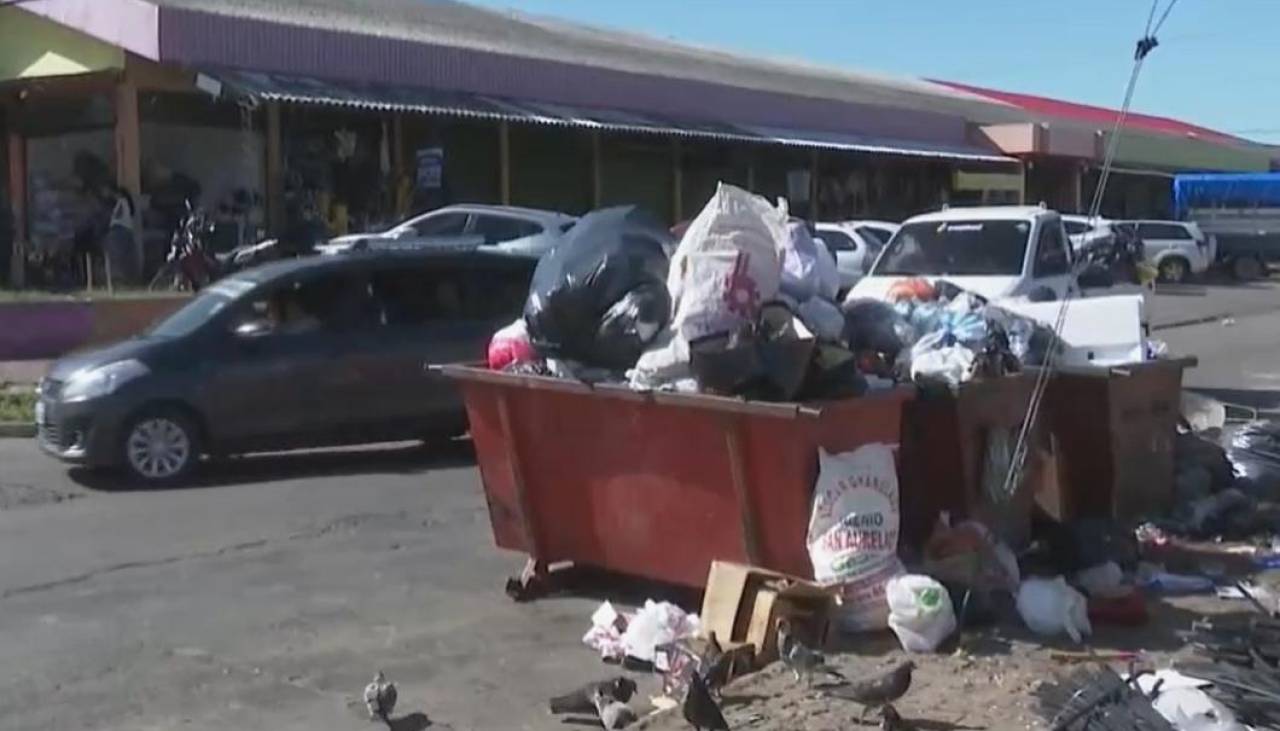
(509, 229)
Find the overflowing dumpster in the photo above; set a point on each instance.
(656, 484)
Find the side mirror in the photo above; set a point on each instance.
(253, 329)
(1095, 276)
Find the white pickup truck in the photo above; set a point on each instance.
(1002, 253)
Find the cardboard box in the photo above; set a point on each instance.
(742, 604)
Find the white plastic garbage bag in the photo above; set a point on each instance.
(1105, 579)
(664, 366)
(727, 264)
(920, 612)
(657, 623)
(1050, 607)
(828, 274)
(951, 365)
(1184, 705)
(802, 264)
(853, 532)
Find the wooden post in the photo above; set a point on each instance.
(504, 160)
(18, 204)
(813, 185)
(397, 163)
(127, 138)
(597, 181)
(275, 170)
(677, 183)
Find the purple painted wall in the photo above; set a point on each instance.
(198, 38)
(29, 331)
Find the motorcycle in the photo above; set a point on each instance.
(188, 266)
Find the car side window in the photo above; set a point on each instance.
(331, 303)
(408, 296)
(1051, 252)
(500, 229)
(444, 224)
(837, 240)
(1163, 231)
(1075, 227)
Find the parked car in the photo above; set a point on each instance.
(506, 228)
(1178, 249)
(1015, 252)
(1086, 233)
(855, 245)
(297, 353)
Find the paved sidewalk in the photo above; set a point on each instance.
(22, 372)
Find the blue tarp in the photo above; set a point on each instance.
(1228, 190)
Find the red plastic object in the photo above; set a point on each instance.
(656, 485)
(1129, 610)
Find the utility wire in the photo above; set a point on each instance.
(1017, 462)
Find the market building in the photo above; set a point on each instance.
(368, 111)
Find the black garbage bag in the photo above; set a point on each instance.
(1254, 453)
(764, 361)
(875, 326)
(601, 296)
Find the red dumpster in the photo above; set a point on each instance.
(656, 484)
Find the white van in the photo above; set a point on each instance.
(1001, 253)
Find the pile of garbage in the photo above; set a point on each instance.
(745, 305)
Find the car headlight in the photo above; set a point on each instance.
(102, 380)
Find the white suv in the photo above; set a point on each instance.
(1178, 249)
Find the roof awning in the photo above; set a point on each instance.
(294, 89)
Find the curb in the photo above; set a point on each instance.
(16, 430)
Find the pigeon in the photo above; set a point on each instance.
(803, 661)
(715, 665)
(613, 714)
(878, 692)
(700, 709)
(619, 688)
(380, 698)
(890, 720)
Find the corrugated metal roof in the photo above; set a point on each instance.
(451, 23)
(276, 87)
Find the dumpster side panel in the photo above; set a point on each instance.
(628, 485)
(494, 459)
(1144, 410)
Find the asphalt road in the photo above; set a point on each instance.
(266, 596)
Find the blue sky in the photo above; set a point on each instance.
(1215, 66)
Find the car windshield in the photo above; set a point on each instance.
(198, 311)
(956, 248)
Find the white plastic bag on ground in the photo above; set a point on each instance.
(853, 532)
(726, 265)
(657, 623)
(1050, 607)
(1105, 579)
(1184, 705)
(920, 612)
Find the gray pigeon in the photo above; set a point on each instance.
(380, 698)
(879, 691)
(803, 661)
(612, 713)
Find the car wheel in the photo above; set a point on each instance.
(1247, 268)
(1174, 270)
(161, 447)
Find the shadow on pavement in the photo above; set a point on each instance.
(374, 460)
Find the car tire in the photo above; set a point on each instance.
(160, 447)
(1247, 268)
(1174, 270)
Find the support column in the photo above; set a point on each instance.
(18, 205)
(597, 179)
(813, 185)
(128, 138)
(677, 183)
(751, 172)
(504, 161)
(275, 170)
(397, 165)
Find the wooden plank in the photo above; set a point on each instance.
(738, 476)
(504, 160)
(275, 169)
(128, 138)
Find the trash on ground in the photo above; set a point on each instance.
(1096, 697)
(853, 532)
(920, 612)
(1051, 607)
(1183, 703)
(654, 624)
(742, 605)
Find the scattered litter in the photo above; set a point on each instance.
(1092, 698)
(920, 612)
(1183, 703)
(605, 634)
(1154, 579)
(1103, 580)
(1050, 607)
